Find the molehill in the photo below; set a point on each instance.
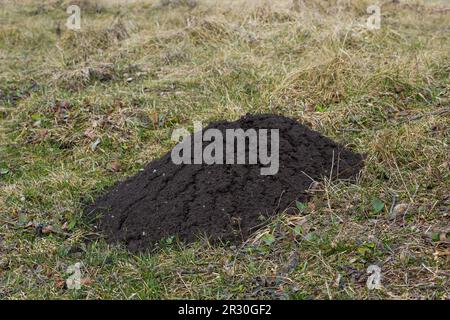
(220, 201)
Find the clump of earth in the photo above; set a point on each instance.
(223, 202)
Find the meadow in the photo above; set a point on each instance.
(83, 109)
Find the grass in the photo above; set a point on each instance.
(82, 110)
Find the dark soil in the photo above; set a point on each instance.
(222, 202)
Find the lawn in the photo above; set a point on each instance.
(83, 109)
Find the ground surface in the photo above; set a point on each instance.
(83, 110)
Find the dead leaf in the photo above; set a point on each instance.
(399, 210)
(316, 186)
(310, 108)
(115, 166)
(398, 89)
(442, 253)
(90, 133)
(42, 133)
(443, 237)
(59, 283)
(86, 281)
(29, 225)
(47, 229)
(155, 120)
(65, 104)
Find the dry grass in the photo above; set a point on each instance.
(81, 110)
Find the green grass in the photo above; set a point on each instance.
(384, 93)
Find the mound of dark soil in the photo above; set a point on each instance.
(224, 202)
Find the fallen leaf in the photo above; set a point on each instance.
(59, 283)
(65, 104)
(442, 253)
(316, 186)
(115, 166)
(399, 210)
(155, 120)
(47, 229)
(42, 133)
(398, 89)
(310, 108)
(90, 133)
(444, 237)
(86, 281)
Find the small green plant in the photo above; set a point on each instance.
(300, 206)
(377, 205)
(268, 239)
